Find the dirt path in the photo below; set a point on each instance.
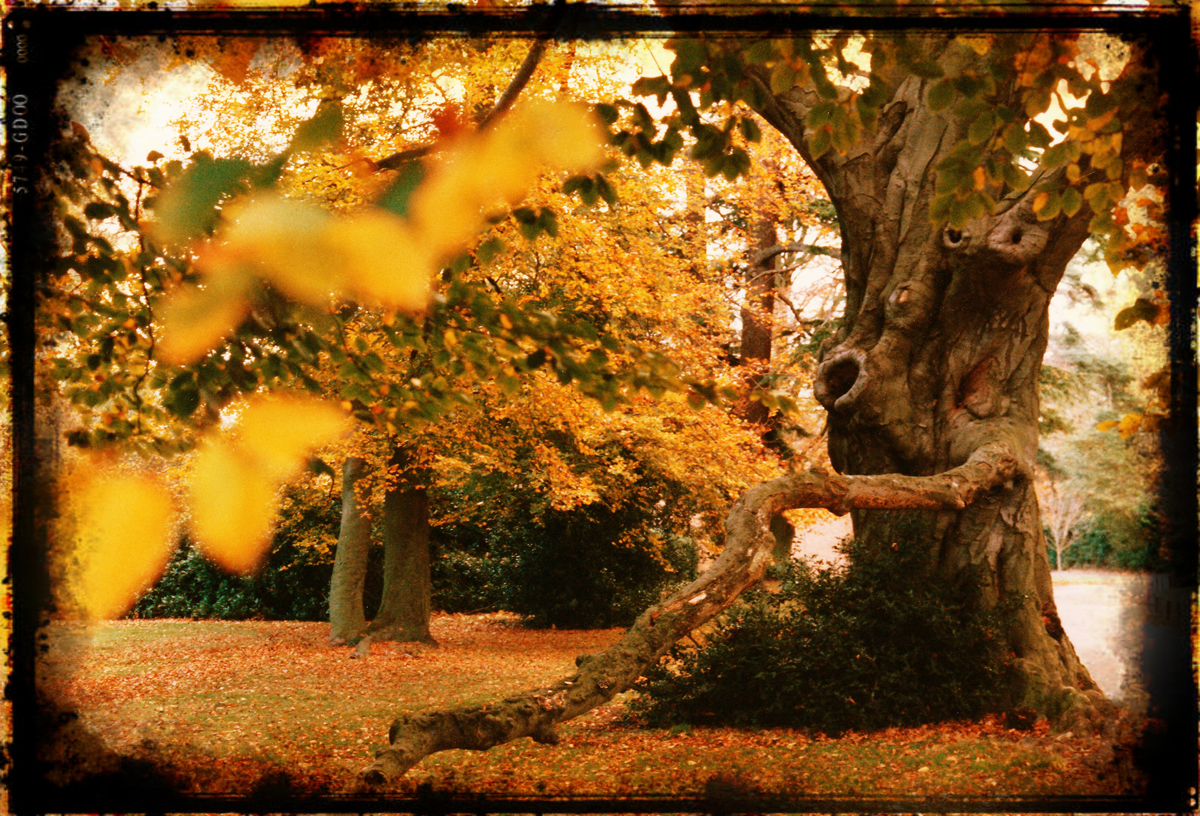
(1102, 613)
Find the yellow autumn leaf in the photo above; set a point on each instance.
(287, 242)
(566, 136)
(233, 504)
(980, 177)
(384, 262)
(280, 431)
(498, 166)
(1129, 425)
(312, 255)
(119, 532)
(979, 43)
(1040, 201)
(194, 319)
(236, 474)
(1108, 425)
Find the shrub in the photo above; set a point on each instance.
(589, 567)
(833, 651)
(293, 583)
(465, 576)
(1119, 540)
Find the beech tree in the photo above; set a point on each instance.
(507, 310)
(966, 170)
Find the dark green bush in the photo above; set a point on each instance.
(286, 588)
(862, 649)
(293, 583)
(465, 576)
(574, 571)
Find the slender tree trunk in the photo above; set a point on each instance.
(758, 319)
(404, 612)
(346, 617)
(695, 221)
(758, 335)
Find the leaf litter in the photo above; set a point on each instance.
(221, 706)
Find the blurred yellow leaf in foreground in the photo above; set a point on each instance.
(235, 477)
(375, 256)
(195, 318)
(281, 431)
(119, 527)
(497, 166)
(233, 506)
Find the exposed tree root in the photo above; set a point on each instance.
(747, 555)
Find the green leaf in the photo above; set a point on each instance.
(608, 113)
(750, 129)
(325, 126)
(1142, 309)
(760, 52)
(1071, 201)
(926, 69)
(819, 143)
(397, 197)
(1096, 196)
(183, 398)
(1051, 205)
(1061, 154)
(982, 128)
(188, 207)
(99, 210)
(606, 191)
(940, 95)
(689, 55)
(548, 222)
(658, 87)
(783, 77)
(1038, 137)
(821, 114)
(320, 468)
(489, 250)
(738, 164)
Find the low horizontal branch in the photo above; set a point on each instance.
(761, 257)
(743, 562)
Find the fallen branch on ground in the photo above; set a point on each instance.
(748, 545)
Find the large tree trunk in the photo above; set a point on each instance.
(404, 612)
(938, 356)
(931, 387)
(347, 621)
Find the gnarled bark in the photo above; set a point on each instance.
(988, 471)
(938, 355)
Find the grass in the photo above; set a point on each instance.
(222, 705)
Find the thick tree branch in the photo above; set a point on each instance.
(749, 542)
(506, 100)
(779, 249)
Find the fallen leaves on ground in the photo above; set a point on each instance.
(223, 705)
